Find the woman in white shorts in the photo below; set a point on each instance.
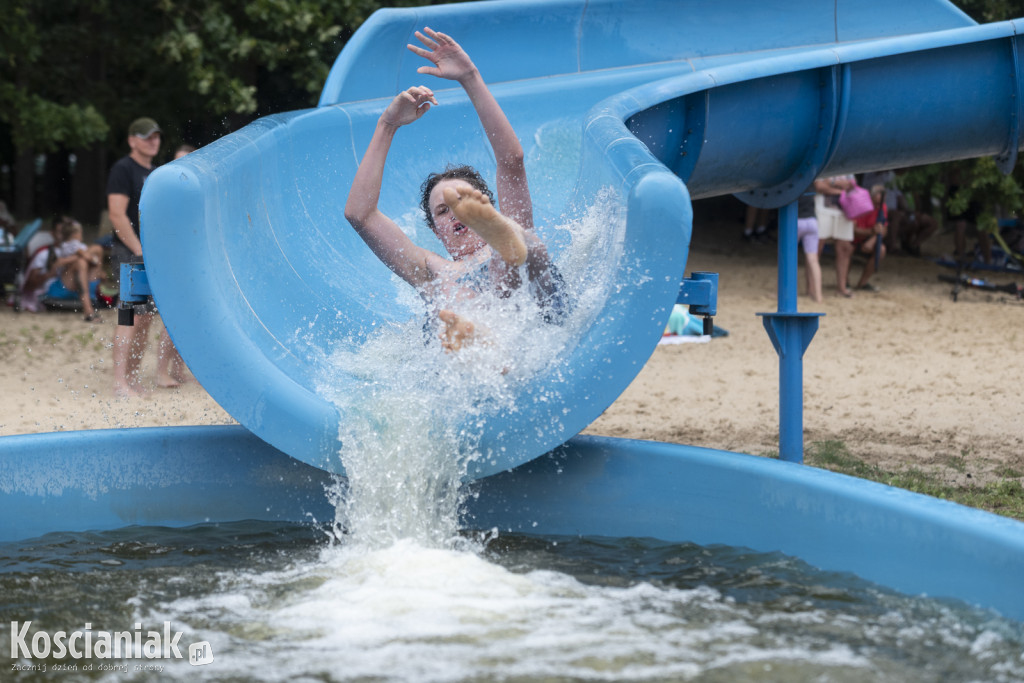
(834, 225)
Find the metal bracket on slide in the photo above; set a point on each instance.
(1007, 159)
(700, 293)
(791, 333)
(833, 101)
(134, 290)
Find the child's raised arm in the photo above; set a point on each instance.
(415, 265)
(450, 61)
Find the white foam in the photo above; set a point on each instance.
(413, 613)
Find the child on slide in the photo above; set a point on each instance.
(487, 247)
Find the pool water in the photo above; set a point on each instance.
(293, 602)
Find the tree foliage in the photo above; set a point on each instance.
(986, 11)
(72, 70)
(957, 185)
(75, 73)
(38, 100)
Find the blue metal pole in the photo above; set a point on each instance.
(791, 365)
(787, 258)
(790, 333)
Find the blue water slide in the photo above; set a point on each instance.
(259, 278)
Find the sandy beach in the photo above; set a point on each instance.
(905, 377)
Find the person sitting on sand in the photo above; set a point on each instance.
(73, 246)
(65, 270)
(867, 231)
(487, 247)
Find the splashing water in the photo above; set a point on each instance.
(411, 421)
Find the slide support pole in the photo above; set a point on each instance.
(790, 332)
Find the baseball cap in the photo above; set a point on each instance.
(144, 127)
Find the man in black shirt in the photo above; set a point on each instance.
(124, 190)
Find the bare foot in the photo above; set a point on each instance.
(457, 332)
(128, 391)
(167, 382)
(179, 371)
(474, 209)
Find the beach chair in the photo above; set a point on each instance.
(14, 259)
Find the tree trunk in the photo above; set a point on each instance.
(88, 185)
(24, 185)
(55, 185)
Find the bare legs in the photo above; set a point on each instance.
(129, 345)
(76, 279)
(868, 249)
(170, 368)
(94, 256)
(844, 253)
(512, 245)
(755, 224)
(503, 234)
(844, 256)
(813, 268)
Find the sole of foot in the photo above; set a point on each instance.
(476, 211)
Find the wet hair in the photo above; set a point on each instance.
(467, 173)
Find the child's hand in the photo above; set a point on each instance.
(457, 332)
(408, 106)
(450, 60)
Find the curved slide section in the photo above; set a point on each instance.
(261, 281)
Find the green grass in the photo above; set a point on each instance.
(1003, 497)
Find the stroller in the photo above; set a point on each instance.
(14, 259)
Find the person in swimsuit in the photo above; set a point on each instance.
(488, 248)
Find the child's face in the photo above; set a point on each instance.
(457, 238)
